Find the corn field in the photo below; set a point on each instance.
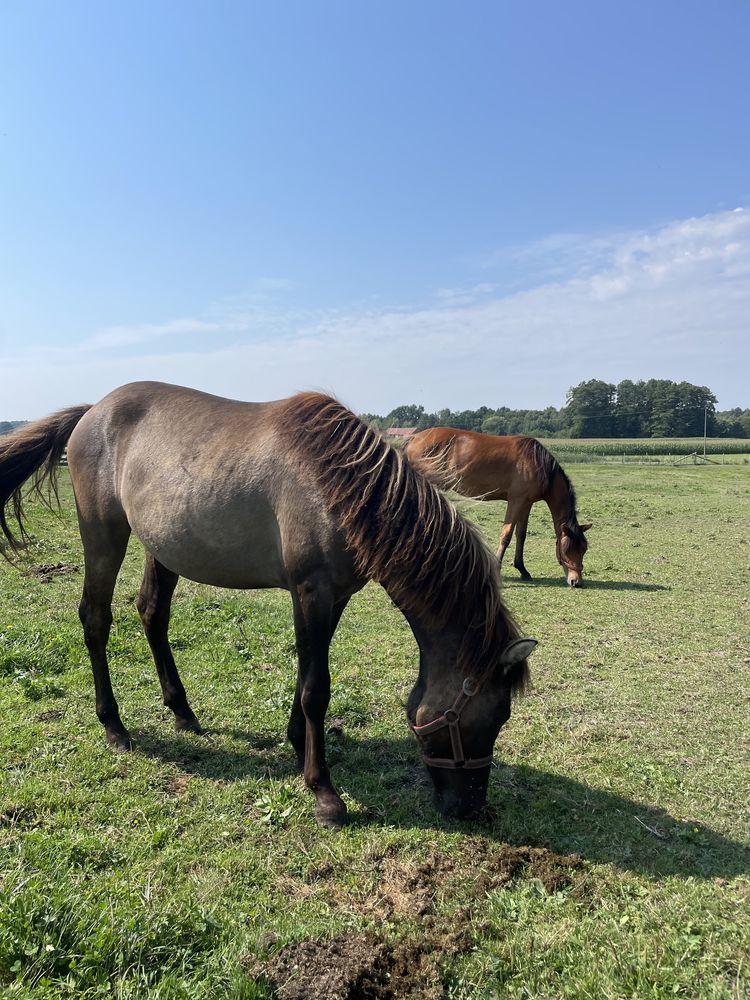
(649, 450)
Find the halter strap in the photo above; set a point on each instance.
(565, 563)
(451, 718)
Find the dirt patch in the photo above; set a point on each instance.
(178, 785)
(45, 572)
(412, 890)
(361, 967)
(393, 887)
(399, 890)
(51, 715)
(506, 863)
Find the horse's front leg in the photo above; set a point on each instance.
(297, 728)
(313, 617)
(522, 525)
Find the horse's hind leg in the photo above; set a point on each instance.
(297, 726)
(506, 532)
(104, 549)
(154, 603)
(516, 519)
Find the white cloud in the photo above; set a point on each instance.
(673, 303)
(465, 296)
(127, 336)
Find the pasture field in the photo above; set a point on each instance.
(612, 862)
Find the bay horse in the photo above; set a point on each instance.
(300, 494)
(506, 467)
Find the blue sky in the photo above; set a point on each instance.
(453, 204)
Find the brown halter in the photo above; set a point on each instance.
(451, 718)
(564, 562)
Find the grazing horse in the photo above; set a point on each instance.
(515, 468)
(299, 494)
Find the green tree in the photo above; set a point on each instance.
(695, 403)
(404, 416)
(590, 409)
(629, 413)
(494, 424)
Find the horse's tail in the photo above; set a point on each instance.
(33, 450)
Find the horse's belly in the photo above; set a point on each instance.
(225, 544)
(248, 567)
(481, 488)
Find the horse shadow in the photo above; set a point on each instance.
(387, 785)
(255, 755)
(588, 584)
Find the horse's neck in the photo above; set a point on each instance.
(437, 648)
(558, 501)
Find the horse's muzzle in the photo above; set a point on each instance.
(460, 793)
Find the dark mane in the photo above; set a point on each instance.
(547, 468)
(571, 517)
(404, 534)
(543, 462)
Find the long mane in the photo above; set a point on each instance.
(542, 462)
(403, 532)
(547, 468)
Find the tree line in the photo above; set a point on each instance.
(643, 409)
(6, 426)
(593, 409)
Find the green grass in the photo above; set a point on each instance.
(185, 869)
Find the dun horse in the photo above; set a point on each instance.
(517, 469)
(298, 494)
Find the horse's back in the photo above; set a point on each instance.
(493, 467)
(204, 482)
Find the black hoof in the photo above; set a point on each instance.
(120, 741)
(188, 725)
(331, 815)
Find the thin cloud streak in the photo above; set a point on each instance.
(127, 336)
(668, 303)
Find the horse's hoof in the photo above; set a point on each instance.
(332, 816)
(122, 742)
(187, 725)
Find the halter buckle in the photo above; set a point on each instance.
(470, 687)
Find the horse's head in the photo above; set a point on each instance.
(571, 548)
(457, 719)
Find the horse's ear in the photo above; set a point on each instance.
(585, 527)
(517, 650)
